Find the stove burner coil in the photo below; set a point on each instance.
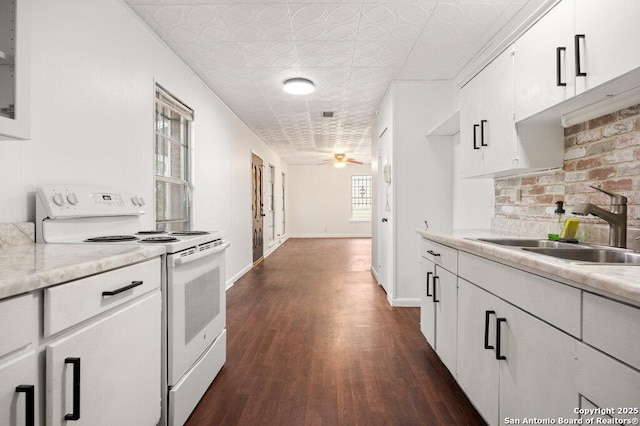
(111, 238)
(188, 233)
(159, 240)
(150, 232)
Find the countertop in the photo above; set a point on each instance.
(619, 281)
(28, 267)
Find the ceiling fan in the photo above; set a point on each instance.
(341, 160)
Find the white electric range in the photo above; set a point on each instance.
(193, 288)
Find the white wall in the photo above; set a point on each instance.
(320, 201)
(93, 70)
(473, 199)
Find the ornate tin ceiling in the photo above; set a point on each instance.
(350, 49)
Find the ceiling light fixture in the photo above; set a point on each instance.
(298, 86)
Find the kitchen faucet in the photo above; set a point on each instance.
(616, 217)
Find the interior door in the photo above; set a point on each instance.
(257, 208)
(384, 208)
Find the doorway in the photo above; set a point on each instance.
(257, 209)
(385, 230)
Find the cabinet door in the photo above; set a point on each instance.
(608, 383)
(117, 380)
(427, 309)
(538, 376)
(497, 128)
(539, 68)
(470, 116)
(610, 47)
(17, 404)
(445, 298)
(477, 366)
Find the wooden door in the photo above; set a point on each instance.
(257, 208)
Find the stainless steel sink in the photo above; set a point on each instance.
(590, 254)
(529, 242)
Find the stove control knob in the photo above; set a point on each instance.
(141, 200)
(72, 199)
(135, 200)
(58, 199)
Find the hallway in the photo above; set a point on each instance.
(312, 340)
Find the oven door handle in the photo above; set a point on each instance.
(179, 260)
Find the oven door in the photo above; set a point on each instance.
(196, 305)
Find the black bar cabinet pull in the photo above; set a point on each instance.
(579, 72)
(428, 275)
(433, 253)
(75, 415)
(435, 298)
(29, 391)
(482, 133)
(486, 329)
(122, 289)
(475, 137)
(498, 322)
(559, 51)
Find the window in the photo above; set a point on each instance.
(361, 198)
(173, 122)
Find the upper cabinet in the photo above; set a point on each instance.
(15, 58)
(575, 47)
(492, 144)
(544, 63)
(607, 34)
(487, 130)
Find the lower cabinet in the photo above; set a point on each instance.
(510, 364)
(607, 384)
(107, 364)
(17, 390)
(439, 303)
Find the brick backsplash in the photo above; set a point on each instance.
(603, 152)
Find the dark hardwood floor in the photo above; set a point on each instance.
(312, 340)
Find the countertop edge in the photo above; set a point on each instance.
(599, 277)
(49, 276)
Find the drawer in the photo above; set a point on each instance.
(439, 254)
(69, 304)
(551, 301)
(612, 327)
(607, 383)
(17, 323)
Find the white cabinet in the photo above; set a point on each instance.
(492, 144)
(15, 69)
(18, 381)
(439, 301)
(108, 372)
(487, 129)
(543, 62)
(90, 349)
(608, 375)
(18, 390)
(608, 383)
(103, 357)
(610, 45)
(511, 364)
(576, 46)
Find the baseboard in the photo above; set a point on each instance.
(375, 274)
(405, 303)
(236, 277)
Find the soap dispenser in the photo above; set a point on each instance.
(557, 228)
